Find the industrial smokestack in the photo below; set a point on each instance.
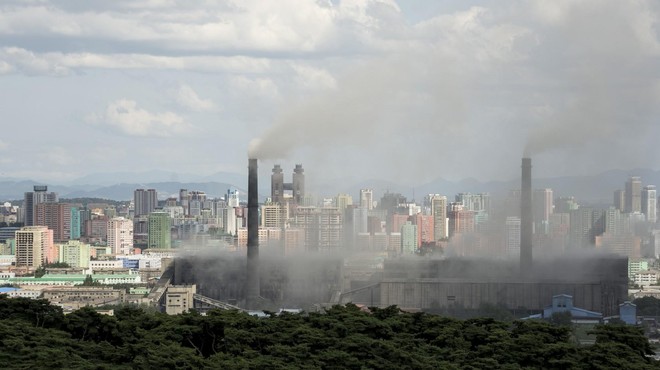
(526, 218)
(252, 288)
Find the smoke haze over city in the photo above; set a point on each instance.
(403, 91)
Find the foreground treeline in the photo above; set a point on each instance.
(34, 334)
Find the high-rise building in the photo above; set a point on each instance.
(120, 235)
(296, 187)
(512, 242)
(96, 228)
(425, 228)
(159, 230)
(409, 241)
(460, 220)
(342, 201)
(330, 228)
(634, 195)
(277, 185)
(75, 224)
(649, 203)
(39, 195)
(273, 215)
(196, 203)
(75, 253)
(322, 227)
(55, 216)
(184, 200)
(615, 222)
(474, 202)
(439, 213)
(298, 184)
(586, 223)
(32, 246)
(144, 201)
(620, 200)
(542, 209)
(367, 199)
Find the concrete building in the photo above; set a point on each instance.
(297, 186)
(76, 225)
(649, 203)
(73, 298)
(330, 228)
(120, 235)
(57, 217)
(273, 215)
(635, 266)
(75, 253)
(584, 228)
(32, 245)
(179, 298)
(512, 232)
(626, 244)
(565, 205)
(460, 220)
(73, 279)
(646, 277)
(633, 201)
(367, 199)
(425, 228)
(144, 201)
(409, 241)
(277, 185)
(31, 199)
(542, 209)
(159, 230)
(620, 200)
(439, 213)
(342, 201)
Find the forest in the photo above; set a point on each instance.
(35, 335)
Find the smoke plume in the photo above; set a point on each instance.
(566, 82)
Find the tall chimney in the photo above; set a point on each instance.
(526, 218)
(252, 288)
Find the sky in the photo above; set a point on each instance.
(404, 91)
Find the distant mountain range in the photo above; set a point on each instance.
(597, 189)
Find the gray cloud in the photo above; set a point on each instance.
(359, 88)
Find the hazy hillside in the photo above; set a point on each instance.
(592, 189)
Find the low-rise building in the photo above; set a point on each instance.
(73, 298)
(646, 277)
(179, 298)
(21, 292)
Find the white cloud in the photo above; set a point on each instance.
(60, 64)
(313, 78)
(3, 145)
(261, 87)
(124, 116)
(188, 98)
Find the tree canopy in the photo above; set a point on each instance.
(34, 334)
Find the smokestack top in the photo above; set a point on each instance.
(527, 162)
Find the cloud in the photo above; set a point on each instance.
(188, 98)
(259, 87)
(3, 145)
(14, 59)
(309, 77)
(124, 116)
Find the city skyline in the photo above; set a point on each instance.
(413, 82)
